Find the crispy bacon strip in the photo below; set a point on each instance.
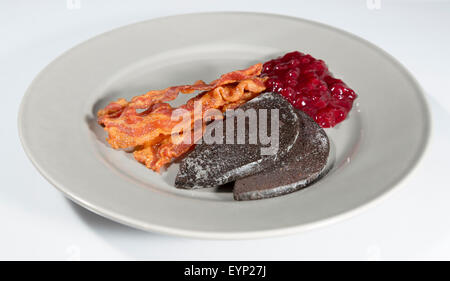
(149, 132)
(156, 155)
(127, 128)
(171, 93)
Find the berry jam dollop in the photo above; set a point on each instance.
(308, 85)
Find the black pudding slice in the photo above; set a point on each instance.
(306, 163)
(211, 165)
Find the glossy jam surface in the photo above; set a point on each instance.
(308, 85)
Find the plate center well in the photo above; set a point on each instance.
(186, 66)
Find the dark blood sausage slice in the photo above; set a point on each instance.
(306, 162)
(210, 165)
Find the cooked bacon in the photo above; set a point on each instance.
(150, 132)
(156, 156)
(171, 93)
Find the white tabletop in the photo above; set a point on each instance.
(39, 223)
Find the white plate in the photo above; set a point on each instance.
(380, 142)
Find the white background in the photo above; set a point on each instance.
(37, 222)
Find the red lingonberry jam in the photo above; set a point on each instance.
(308, 85)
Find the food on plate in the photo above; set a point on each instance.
(210, 165)
(149, 131)
(300, 160)
(309, 86)
(225, 146)
(306, 163)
